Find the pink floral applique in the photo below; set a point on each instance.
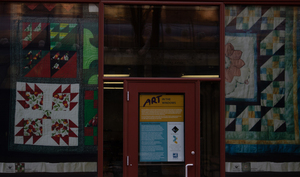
(235, 62)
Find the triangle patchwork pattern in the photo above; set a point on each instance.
(26, 138)
(281, 26)
(240, 109)
(31, 31)
(68, 7)
(21, 123)
(273, 18)
(254, 124)
(68, 70)
(31, 6)
(230, 14)
(21, 132)
(272, 43)
(31, 131)
(248, 17)
(280, 51)
(41, 69)
(72, 124)
(230, 124)
(35, 138)
(56, 139)
(65, 139)
(67, 90)
(280, 103)
(49, 6)
(279, 126)
(264, 111)
(72, 134)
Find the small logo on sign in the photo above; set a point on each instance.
(175, 129)
(175, 155)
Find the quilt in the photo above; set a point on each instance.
(262, 69)
(54, 104)
(46, 114)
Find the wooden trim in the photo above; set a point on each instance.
(166, 2)
(53, 1)
(159, 79)
(183, 3)
(100, 91)
(125, 128)
(222, 91)
(198, 129)
(266, 2)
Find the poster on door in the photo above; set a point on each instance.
(161, 129)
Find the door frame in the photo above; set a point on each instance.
(220, 80)
(127, 96)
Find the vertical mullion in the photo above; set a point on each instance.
(100, 88)
(222, 90)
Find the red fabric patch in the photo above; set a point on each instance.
(95, 140)
(73, 95)
(32, 6)
(89, 95)
(72, 134)
(56, 139)
(66, 139)
(49, 6)
(22, 103)
(26, 138)
(72, 124)
(88, 131)
(68, 70)
(96, 104)
(68, 7)
(42, 69)
(21, 123)
(35, 138)
(29, 89)
(68, 89)
(58, 90)
(72, 105)
(21, 132)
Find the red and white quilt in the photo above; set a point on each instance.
(46, 114)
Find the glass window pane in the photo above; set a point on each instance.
(210, 129)
(161, 41)
(45, 93)
(113, 129)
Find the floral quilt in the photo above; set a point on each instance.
(261, 74)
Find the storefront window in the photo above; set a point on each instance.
(210, 129)
(113, 129)
(48, 61)
(161, 41)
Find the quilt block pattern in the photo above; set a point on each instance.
(91, 117)
(262, 95)
(90, 54)
(56, 57)
(49, 50)
(46, 114)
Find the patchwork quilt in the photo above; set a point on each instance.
(262, 69)
(54, 105)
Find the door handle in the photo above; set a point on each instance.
(127, 161)
(186, 168)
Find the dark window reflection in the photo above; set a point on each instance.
(113, 131)
(210, 129)
(161, 41)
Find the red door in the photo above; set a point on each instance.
(160, 129)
